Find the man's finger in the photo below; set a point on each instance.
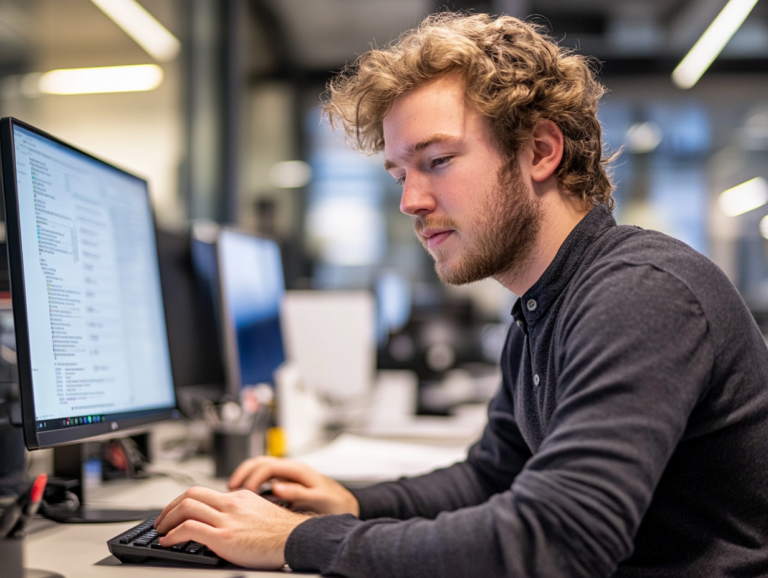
(263, 473)
(291, 492)
(191, 530)
(204, 495)
(296, 472)
(245, 470)
(189, 509)
(254, 472)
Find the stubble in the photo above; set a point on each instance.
(502, 243)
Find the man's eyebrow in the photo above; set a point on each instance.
(420, 146)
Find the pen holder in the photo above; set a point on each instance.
(12, 557)
(232, 446)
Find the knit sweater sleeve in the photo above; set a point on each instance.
(634, 355)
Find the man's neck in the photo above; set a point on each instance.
(561, 212)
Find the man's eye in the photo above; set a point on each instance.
(440, 161)
(400, 182)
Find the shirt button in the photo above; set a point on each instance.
(536, 379)
(531, 305)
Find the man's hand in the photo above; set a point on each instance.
(240, 526)
(303, 487)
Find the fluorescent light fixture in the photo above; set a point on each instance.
(104, 79)
(712, 42)
(140, 25)
(290, 174)
(744, 197)
(764, 227)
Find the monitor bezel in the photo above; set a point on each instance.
(34, 439)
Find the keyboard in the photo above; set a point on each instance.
(141, 544)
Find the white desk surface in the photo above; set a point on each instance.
(80, 550)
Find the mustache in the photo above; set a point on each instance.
(432, 222)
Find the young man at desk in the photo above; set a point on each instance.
(630, 433)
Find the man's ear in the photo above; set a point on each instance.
(547, 146)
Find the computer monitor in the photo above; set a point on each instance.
(330, 336)
(193, 328)
(91, 338)
(205, 264)
(251, 291)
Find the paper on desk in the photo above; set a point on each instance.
(424, 429)
(463, 428)
(352, 458)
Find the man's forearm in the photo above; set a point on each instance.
(424, 496)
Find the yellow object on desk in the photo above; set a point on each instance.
(276, 442)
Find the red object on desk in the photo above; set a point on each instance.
(36, 495)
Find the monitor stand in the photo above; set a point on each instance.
(68, 468)
(35, 573)
(87, 515)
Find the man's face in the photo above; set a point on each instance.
(474, 216)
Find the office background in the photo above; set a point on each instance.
(228, 130)
(218, 108)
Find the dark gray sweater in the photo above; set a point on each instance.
(629, 437)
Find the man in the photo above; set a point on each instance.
(630, 435)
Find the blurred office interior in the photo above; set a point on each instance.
(226, 126)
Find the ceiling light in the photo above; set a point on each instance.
(744, 197)
(712, 42)
(764, 227)
(140, 25)
(104, 79)
(644, 137)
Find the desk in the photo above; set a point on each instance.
(80, 550)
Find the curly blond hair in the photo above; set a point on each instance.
(515, 75)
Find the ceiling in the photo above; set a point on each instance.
(319, 36)
(37, 35)
(641, 35)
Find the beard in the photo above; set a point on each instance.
(501, 243)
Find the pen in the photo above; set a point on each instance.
(36, 495)
(28, 504)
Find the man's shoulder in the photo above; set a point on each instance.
(625, 247)
(630, 267)
(636, 245)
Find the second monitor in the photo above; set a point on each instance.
(252, 287)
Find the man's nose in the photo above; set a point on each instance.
(417, 198)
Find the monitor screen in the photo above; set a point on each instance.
(92, 344)
(252, 288)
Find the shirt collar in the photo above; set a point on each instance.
(535, 302)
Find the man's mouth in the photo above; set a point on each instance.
(435, 237)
